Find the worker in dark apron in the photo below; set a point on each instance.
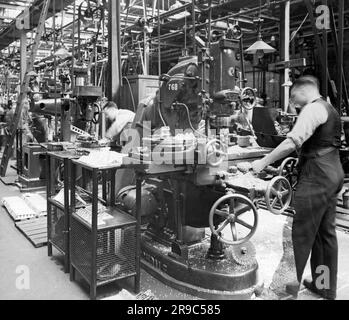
(317, 137)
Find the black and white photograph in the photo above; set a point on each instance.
(174, 156)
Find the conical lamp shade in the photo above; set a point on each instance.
(260, 45)
(62, 53)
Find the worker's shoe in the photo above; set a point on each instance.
(292, 288)
(326, 294)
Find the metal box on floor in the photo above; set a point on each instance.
(33, 173)
(31, 161)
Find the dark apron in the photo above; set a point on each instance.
(314, 226)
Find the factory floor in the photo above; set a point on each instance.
(47, 280)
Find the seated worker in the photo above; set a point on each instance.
(117, 120)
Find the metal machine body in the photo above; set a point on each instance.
(183, 203)
(200, 178)
(87, 108)
(32, 175)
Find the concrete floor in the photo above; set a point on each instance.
(48, 281)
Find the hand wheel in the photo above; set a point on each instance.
(236, 32)
(288, 169)
(248, 98)
(216, 152)
(228, 210)
(278, 195)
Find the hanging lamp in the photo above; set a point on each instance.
(260, 48)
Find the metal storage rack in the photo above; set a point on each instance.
(103, 253)
(58, 217)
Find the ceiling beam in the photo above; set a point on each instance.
(11, 33)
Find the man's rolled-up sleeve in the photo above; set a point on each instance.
(311, 117)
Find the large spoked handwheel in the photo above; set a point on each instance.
(216, 153)
(278, 195)
(228, 211)
(288, 169)
(235, 32)
(248, 98)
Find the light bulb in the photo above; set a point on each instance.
(260, 54)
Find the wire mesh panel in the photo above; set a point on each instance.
(81, 247)
(57, 222)
(116, 251)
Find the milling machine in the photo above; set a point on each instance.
(199, 198)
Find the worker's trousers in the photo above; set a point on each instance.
(314, 225)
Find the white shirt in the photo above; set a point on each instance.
(311, 117)
(123, 117)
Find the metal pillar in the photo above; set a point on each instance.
(23, 48)
(340, 71)
(285, 52)
(146, 48)
(322, 47)
(286, 48)
(341, 86)
(324, 54)
(115, 78)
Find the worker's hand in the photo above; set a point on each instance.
(258, 166)
(30, 138)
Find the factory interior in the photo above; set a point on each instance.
(174, 150)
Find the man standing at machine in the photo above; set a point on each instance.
(317, 134)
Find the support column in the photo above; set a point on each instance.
(286, 49)
(324, 54)
(284, 52)
(340, 71)
(23, 49)
(114, 70)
